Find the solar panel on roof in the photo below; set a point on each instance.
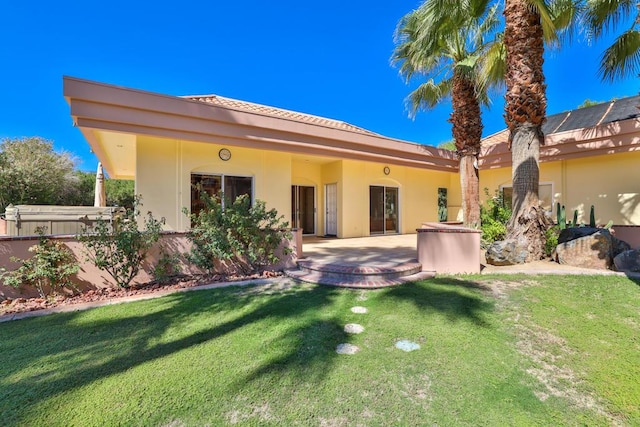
(584, 117)
(623, 109)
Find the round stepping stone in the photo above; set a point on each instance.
(347, 349)
(353, 328)
(359, 310)
(406, 345)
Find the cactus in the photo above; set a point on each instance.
(575, 219)
(562, 217)
(592, 217)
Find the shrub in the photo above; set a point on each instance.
(494, 215)
(120, 248)
(245, 236)
(551, 239)
(50, 267)
(166, 267)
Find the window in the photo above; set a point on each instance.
(231, 186)
(545, 193)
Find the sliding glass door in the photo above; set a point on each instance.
(383, 210)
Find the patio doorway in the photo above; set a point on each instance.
(303, 208)
(331, 206)
(383, 210)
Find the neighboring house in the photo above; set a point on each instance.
(591, 156)
(332, 178)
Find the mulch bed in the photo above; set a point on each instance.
(21, 305)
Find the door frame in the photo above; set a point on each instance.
(328, 232)
(315, 207)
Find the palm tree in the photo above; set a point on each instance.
(446, 41)
(528, 24)
(622, 58)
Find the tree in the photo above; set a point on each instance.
(446, 41)
(622, 58)
(528, 24)
(32, 172)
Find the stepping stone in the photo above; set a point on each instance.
(347, 349)
(406, 345)
(353, 328)
(359, 310)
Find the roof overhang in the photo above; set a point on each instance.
(609, 138)
(110, 117)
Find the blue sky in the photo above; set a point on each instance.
(328, 58)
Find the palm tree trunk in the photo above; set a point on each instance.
(525, 112)
(467, 132)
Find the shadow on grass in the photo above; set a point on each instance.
(72, 350)
(455, 298)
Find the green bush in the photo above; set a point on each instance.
(120, 248)
(494, 215)
(50, 267)
(551, 239)
(166, 267)
(243, 235)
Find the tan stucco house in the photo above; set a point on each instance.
(332, 178)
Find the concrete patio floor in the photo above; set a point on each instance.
(381, 251)
(391, 250)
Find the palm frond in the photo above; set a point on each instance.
(549, 30)
(428, 95)
(602, 15)
(622, 58)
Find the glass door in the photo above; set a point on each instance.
(303, 208)
(383, 210)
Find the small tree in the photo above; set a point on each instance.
(50, 267)
(120, 248)
(246, 236)
(31, 172)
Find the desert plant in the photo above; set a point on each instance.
(120, 248)
(243, 235)
(50, 267)
(551, 239)
(494, 215)
(592, 217)
(166, 267)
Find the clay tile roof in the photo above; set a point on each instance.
(277, 112)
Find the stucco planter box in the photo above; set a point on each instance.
(448, 249)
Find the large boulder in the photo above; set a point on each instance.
(618, 246)
(593, 250)
(507, 252)
(573, 233)
(627, 261)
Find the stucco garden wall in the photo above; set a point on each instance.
(90, 277)
(609, 182)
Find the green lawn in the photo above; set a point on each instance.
(494, 351)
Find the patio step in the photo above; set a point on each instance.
(357, 276)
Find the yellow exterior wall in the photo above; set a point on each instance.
(611, 183)
(164, 168)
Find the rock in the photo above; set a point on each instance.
(591, 251)
(359, 310)
(507, 252)
(618, 246)
(573, 233)
(353, 328)
(347, 349)
(628, 261)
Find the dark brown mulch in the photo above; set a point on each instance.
(20, 305)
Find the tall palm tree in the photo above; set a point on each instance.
(622, 58)
(446, 41)
(528, 24)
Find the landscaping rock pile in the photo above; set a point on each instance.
(588, 247)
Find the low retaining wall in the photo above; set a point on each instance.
(449, 249)
(90, 277)
(627, 233)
